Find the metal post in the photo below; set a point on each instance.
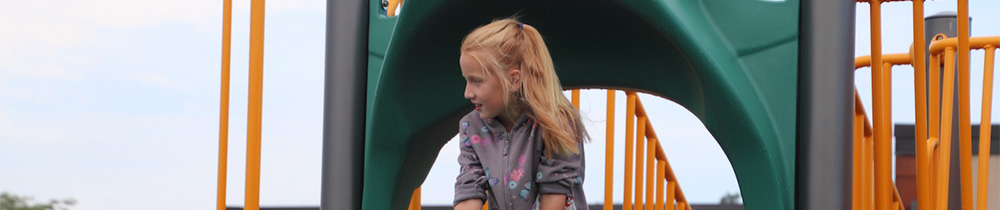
(227, 29)
(255, 100)
(344, 104)
(825, 105)
(947, 23)
(920, 98)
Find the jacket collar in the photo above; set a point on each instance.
(497, 128)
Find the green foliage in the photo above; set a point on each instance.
(9, 201)
(731, 199)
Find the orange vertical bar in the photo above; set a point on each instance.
(252, 199)
(640, 137)
(879, 108)
(920, 93)
(964, 121)
(609, 153)
(935, 159)
(934, 130)
(934, 117)
(857, 172)
(932, 171)
(650, 171)
(671, 193)
(227, 30)
(629, 120)
(661, 168)
(883, 149)
(944, 154)
(486, 205)
(868, 175)
(415, 200)
(576, 98)
(984, 130)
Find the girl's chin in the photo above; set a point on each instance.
(485, 115)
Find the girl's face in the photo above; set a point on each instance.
(484, 91)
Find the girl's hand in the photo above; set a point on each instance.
(553, 202)
(470, 204)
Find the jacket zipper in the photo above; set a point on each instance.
(506, 149)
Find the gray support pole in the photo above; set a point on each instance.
(825, 105)
(947, 23)
(344, 104)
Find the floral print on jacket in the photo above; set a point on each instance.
(512, 166)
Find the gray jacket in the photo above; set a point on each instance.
(512, 165)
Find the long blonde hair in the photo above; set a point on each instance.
(507, 44)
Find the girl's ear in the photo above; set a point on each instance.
(515, 79)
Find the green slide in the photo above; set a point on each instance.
(731, 63)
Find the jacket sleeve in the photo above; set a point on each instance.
(559, 173)
(471, 181)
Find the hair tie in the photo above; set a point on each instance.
(520, 25)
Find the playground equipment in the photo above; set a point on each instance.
(769, 79)
(724, 83)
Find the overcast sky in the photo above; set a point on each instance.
(115, 103)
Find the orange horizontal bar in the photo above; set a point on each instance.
(894, 59)
(639, 110)
(938, 46)
(659, 153)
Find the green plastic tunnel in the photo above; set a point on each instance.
(733, 64)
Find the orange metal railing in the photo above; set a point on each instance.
(935, 149)
(863, 188)
(655, 159)
(254, 100)
(984, 131)
(873, 187)
(933, 126)
(938, 145)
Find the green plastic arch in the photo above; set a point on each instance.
(731, 63)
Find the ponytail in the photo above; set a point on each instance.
(510, 44)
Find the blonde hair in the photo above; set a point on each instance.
(507, 44)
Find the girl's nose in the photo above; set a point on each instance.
(468, 93)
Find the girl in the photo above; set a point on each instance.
(523, 142)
